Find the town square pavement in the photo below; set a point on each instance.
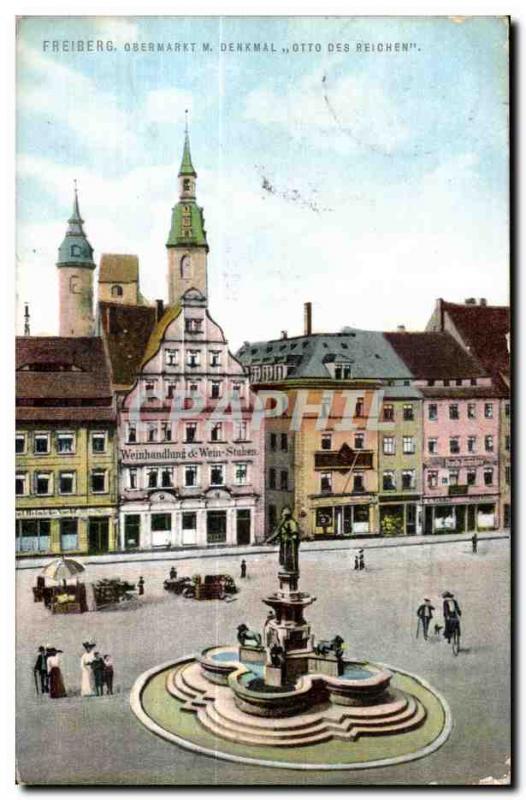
(99, 740)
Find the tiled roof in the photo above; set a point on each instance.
(434, 355)
(462, 392)
(70, 370)
(483, 329)
(116, 268)
(72, 414)
(368, 352)
(126, 330)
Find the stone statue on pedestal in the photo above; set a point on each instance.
(289, 541)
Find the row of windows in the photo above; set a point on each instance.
(454, 411)
(389, 445)
(64, 483)
(64, 441)
(194, 357)
(408, 412)
(269, 372)
(283, 440)
(358, 484)
(358, 441)
(453, 477)
(164, 432)
(165, 477)
(152, 388)
(455, 444)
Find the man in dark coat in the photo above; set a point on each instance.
(452, 614)
(243, 568)
(40, 669)
(474, 542)
(425, 615)
(140, 586)
(98, 666)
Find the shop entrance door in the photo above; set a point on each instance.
(428, 520)
(471, 526)
(243, 525)
(98, 535)
(410, 519)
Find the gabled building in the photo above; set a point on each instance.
(66, 472)
(461, 482)
(191, 457)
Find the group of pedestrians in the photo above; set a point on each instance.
(96, 672)
(359, 560)
(451, 612)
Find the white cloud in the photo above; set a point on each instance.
(167, 106)
(349, 111)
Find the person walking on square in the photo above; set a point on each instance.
(361, 560)
(56, 681)
(173, 573)
(140, 586)
(356, 563)
(97, 665)
(425, 615)
(243, 568)
(40, 670)
(474, 542)
(87, 678)
(108, 673)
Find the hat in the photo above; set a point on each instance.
(286, 511)
(427, 600)
(88, 643)
(447, 594)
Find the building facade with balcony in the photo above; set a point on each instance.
(460, 428)
(66, 475)
(334, 386)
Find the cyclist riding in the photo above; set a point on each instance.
(452, 614)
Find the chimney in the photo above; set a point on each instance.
(470, 301)
(159, 309)
(307, 319)
(483, 301)
(284, 335)
(400, 328)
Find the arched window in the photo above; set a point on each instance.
(75, 250)
(186, 184)
(74, 284)
(116, 291)
(186, 266)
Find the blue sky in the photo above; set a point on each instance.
(388, 171)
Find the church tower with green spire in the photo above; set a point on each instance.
(187, 246)
(75, 269)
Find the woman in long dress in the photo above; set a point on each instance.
(87, 677)
(56, 681)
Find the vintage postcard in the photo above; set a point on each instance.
(263, 459)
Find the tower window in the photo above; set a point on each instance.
(186, 184)
(74, 284)
(116, 291)
(185, 266)
(75, 250)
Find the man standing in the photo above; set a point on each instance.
(97, 666)
(243, 568)
(425, 615)
(140, 586)
(40, 670)
(173, 573)
(474, 542)
(361, 560)
(108, 673)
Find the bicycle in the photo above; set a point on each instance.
(455, 636)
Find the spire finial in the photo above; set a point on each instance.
(27, 329)
(186, 122)
(186, 163)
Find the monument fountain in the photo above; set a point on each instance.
(282, 691)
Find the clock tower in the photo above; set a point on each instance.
(187, 246)
(75, 270)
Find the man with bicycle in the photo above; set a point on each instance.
(452, 614)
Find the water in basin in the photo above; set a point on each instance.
(225, 655)
(355, 672)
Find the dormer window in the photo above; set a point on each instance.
(75, 250)
(342, 372)
(116, 291)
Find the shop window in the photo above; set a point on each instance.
(132, 531)
(216, 527)
(161, 522)
(69, 537)
(33, 535)
(324, 517)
